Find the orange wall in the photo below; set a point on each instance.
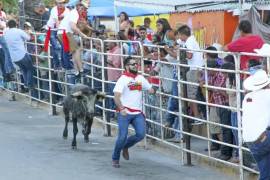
(231, 23)
(215, 25)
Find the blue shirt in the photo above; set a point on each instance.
(15, 39)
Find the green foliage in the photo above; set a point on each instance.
(49, 3)
(10, 6)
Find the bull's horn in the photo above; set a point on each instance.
(76, 94)
(101, 94)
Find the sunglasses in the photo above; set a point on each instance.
(134, 64)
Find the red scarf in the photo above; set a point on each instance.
(128, 74)
(47, 40)
(66, 46)
(65, 42)
(129, 109)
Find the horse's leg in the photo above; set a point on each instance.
(75, 131)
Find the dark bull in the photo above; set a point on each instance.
(81, 105)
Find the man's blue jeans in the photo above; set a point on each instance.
(27, 69)
(261, 154)
(138, 122)
(55, 49)
(2, 63)
(9, 68)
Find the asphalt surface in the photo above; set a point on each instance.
(32, 148)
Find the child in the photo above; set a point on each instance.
(231, 84)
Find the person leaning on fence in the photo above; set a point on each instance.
(256, 120)
(15, 39)
(194, 60)
(7, 65)
(128, 99)
(164, 32)
(149, 30)
(213, 56)
(231, 85)
(68, 28)
(57, 14)
(247, 42)
(114, 65)
(218, 114)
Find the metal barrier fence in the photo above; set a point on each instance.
(171, 79)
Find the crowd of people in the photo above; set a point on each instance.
(69, 31)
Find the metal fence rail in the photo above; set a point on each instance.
(52, 85)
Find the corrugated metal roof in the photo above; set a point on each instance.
(217, 7)
(206, 7)
(168, 5)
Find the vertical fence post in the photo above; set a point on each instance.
(52, 108)
(238, 106)
(186, 121)
(207, 109)
(105, 114)
(180, 118)
(37, 67)
(142, 65)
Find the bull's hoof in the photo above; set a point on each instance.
(65, 134)
(83, 132)
(86, 140)
(74, 147)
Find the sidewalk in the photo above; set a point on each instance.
(32, 148)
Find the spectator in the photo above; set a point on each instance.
(165, 32)
(254, 65)
(15, 39)
(219, 97)
(7, 68)
(143, 35)
(215, 130)
(69, 27)
(213, 56)
(129, 48)
(57, 14)
(124, 21)
(194, 60)
(42, 11)
(149, 31)
(256, 121)
(229, 59)
(128, 99)
(31, 47)
(169, 72)
(231, 84)
(246, 43)
(114, 65)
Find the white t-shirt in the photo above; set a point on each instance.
(54, 16)
(256, 114)
(131, 91)
(71, 17)
(197, 57)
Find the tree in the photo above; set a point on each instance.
(10, 6)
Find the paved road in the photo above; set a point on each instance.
(32, 149)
